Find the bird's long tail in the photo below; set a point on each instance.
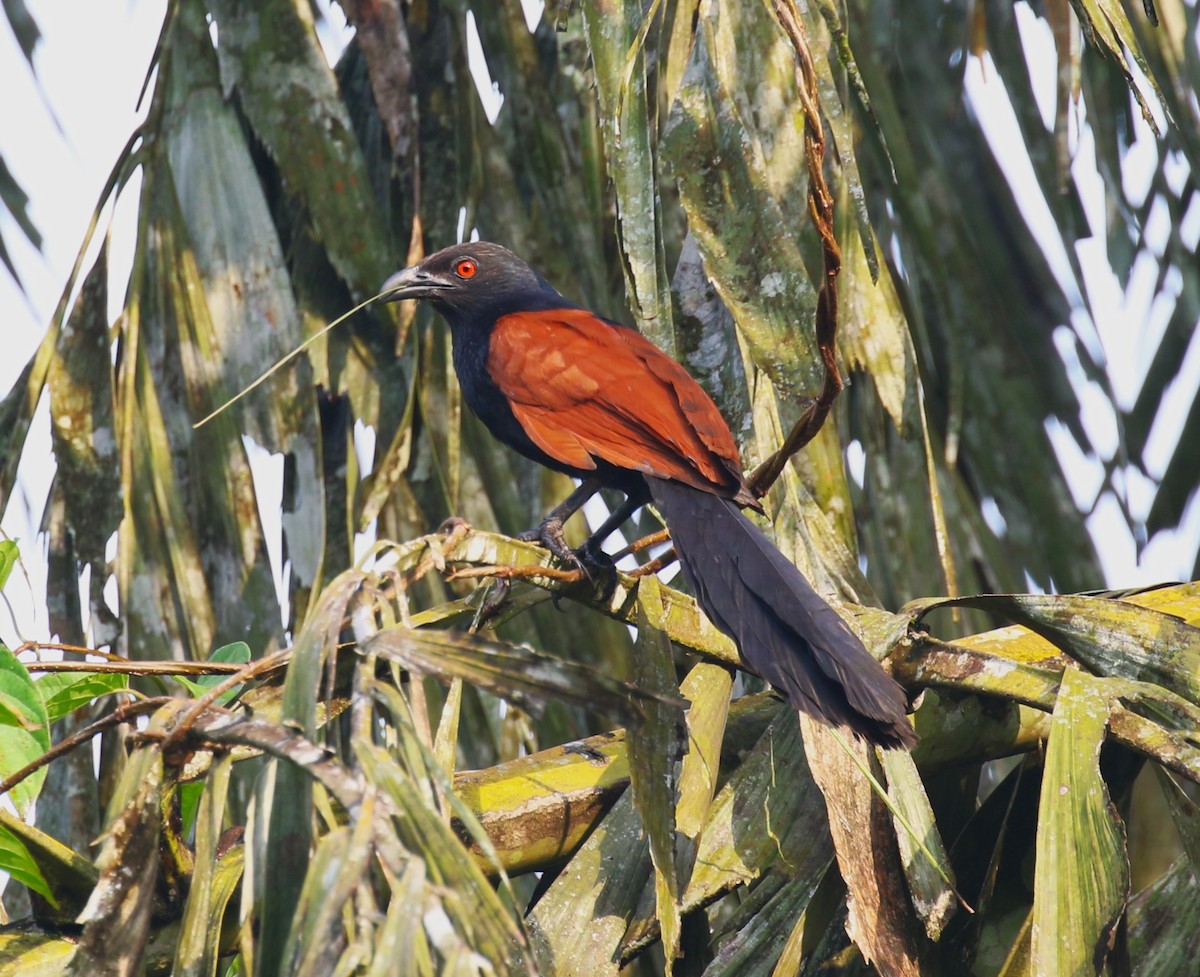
(784, 630)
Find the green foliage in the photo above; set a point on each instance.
(9, 555)
(1082, 876)
(237, 652)
(24, 728)
(20, 865)
(64, 692)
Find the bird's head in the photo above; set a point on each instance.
(466, 281)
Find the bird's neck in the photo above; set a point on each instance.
(469, 343)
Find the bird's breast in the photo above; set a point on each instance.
(486, 400)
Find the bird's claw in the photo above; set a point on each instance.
(599, 567)
(591, 556)
(550, 535)
(589, 559)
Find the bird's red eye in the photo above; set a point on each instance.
(466, 268)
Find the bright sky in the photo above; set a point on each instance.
(91, 65)
(1128, 323)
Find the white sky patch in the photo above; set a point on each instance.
(122, 243)
(989, 99)
(365, 540)
(1115, 545)
(25, 591)
(364, 447)
(1085, 471)
(85, 599)
(63, 170)
(595, 511)
(856, 462)
(671, 570)
(1092, 254)
(1037, 41)
(1097, 415)
(1189, 227)
(266, 468)
(489, 91)
(533, 9)
(111, 596)
(333, 31)
(1139, 492)
(1121, 315)
(1168, 555)
(993, 516)
(1168, 424)
(1125, 324)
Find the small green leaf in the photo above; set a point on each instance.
(64, 692)
(189, 803)
(14, 710)
(237, 652)
(17, 862)
(9, 554)
(24, 729)
(69, 876)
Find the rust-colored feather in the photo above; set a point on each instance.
(584, 389)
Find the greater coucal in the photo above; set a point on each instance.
(596, 400)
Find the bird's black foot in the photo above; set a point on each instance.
(550, 535)
(599, 568)
(592, 557)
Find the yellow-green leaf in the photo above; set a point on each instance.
(1081, 878)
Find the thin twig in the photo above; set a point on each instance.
(74, 649)
(455, 531)
(518, 573)
(653, 566)
(396, 582)
(116, 664)
(122, 714)
(651, 539)
(136, 668)
(820, 207)
(245, 672)
(279, 364)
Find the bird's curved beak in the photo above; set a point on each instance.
(413, 283)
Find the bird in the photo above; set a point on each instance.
(596, 400)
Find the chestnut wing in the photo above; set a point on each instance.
(584, 389)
